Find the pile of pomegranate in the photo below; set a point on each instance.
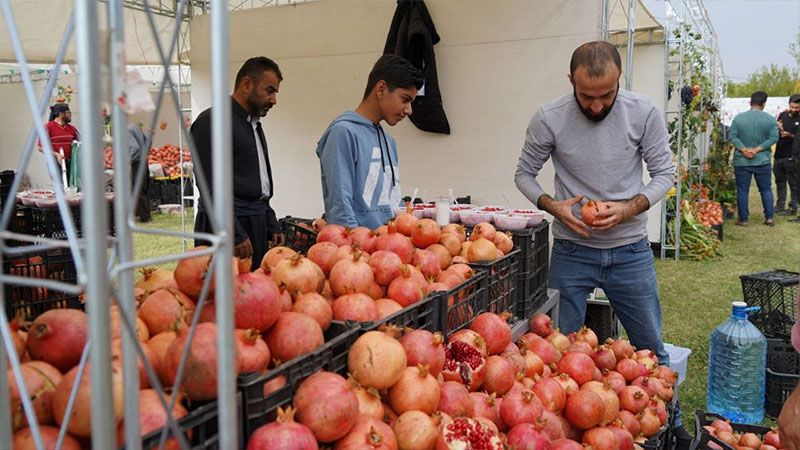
(479, 390)
(724, 432)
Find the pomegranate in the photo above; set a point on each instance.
(415, 430)
(464, 363)
(773, 438)
(533, 363)
(614, 379)
(629, 421)
(565, 444)
(283, 433)
(544, 350)
(525, 436)
(298, 275)
(661, 409)
(584, 409)
(80, 423)
(553, 426)
(609, 397)
(58, 336)
(389, 416)
(386, 307)
(292, 335)
(585, 335)
(568, 384)
(581, 347)
(386, 266)
(165, 309)
(23, 439)
(484, 405)
(152, 276)
(159, 345)
(604, 358)
(472, 338)
(666, 374)
(442, 254)
(494, 329)
(622, 348)
(322, 254)
(649, 422)
(456, 229)
(427, 262)
(375, 291)
(396, 243)
(454, 399)
(498, 375)
(200, 373)
(357, 307)
(481, 251)
(520, 406)
(315, 306)
(750, 440)
(351, 276)
(550, 393)
(425, 233)
(336, 234)
(466, 272)
(415, 390)
(40, 389)
(368, 431)
(483, 230)
(452, 243)
(276, 255)
(541, 324)
(191, 273)
(327, 405)
(589, 212)
(559, 341)
(274, 385)
(578, 366)
(116, 361)
(720, 424)
(152, 417)
(256, 301)
(633, 399)
(503, 242)
(369, 401)
(286, 298)
(462, 433)
(601, 438)
(364, 238)
(405, 289)
(650, 385)
(630, 369)
(517, 360)
(251, 351)
(377, 359)
(426, 348)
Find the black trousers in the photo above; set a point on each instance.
(141, 198)
(254, 225)
(786, 173)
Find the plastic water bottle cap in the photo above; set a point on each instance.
(739, 305)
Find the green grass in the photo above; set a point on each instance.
(695, 296)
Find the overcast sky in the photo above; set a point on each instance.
(752, 33)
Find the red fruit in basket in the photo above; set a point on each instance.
(377, 359)
(584, 409)
(152, 417)
(116, 361)
(661, 409)
(336, 234)
(276, 255)
(580, 347)
(516, 359)
(721, 425)
(415, 390)
(525, 436)
(251, 351)
(499, 376)
(283, 433)
(404, 289)
(629, 421)
(326, 404)
(601, 438)
(298, 275)
(604, 358)
(426, 348)
(190, 274)
(551, 394)
(503, 242)
(541, 324)
(80, 423)
(292, 335)
(559, 341)
(351, 276)
(200, 374)
(405, 223)
(58, 336)
(415, 430)
(357, 307)
(442, 254)
(565, 444)
(369, 401)
(386, 266)
(451, 242)
(589, 212)
(484, 405)
(630, 369)
(256, 301)
(396, 243)
(482, 251)
(750, 440)
(483, 230)
(322, 254)
(649, 422)
(633, 399)
(159, 344)
(427, 262)
(520, 406)
(578, 366)
(586, 335)
(425, 233)
(494, 329)
(609, 397)
(40, 391)
(543, 349)
(773, 438)
(472, 338)
(364, 238)
(666, 374)
(151, 276)
(567, 383)
(454, 399)
(23, 439)
(386, 307)
(16, 337)
(622, 348)
(650, 385)
(462, 432)
(370, 432)
(315, 306)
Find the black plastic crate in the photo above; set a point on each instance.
(783, 374)
(331, 356)
(422, 315)
(200, 427)
(460, 305)
(600, 317)
(704, 440)
(47, 222)
(29, 302)
(533, 266)
(502, 283)
(775, 291)
(299, 233)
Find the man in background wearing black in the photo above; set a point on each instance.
(786, 166)
(255, 223)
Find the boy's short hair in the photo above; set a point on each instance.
(396, 71)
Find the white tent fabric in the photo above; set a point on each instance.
(41, 26)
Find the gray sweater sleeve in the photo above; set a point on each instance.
(539, 143)
(658, 157)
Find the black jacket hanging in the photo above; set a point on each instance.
(412, 36)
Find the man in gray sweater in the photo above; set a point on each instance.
(599, 137)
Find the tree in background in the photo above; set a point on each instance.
(777, 81)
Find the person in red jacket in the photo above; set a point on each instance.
(61, 133)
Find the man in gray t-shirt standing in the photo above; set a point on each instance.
(599, 138)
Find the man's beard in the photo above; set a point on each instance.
(66, 120)
(256, 109)
(588, 112)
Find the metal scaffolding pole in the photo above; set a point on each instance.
(631, 44)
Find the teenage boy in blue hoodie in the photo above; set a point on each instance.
(358, 159)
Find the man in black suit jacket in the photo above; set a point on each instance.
(255, 223)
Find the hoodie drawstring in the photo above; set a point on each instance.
(382, 134)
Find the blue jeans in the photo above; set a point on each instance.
(627, 274)
(763, 176)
